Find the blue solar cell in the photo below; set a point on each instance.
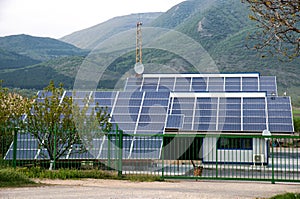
(255, 113)
(230, 120)
(254, 100)
(232, 88)
(230, 100)
(234, 113)
(183, 100)
(28, 144)
(254, 127)
(250, 79)
(147, 143)
(235, 80)
(124, 118)
(280, 128)
(130, 95)
(104, 95)
(230, 106)
(152, 118)
(22, 154)
(183, 106)
(152, 102)
(175, 121)
(281, 120)
(254, 120)
(188, 119)
(155, 127)
(229, 127)
(182, 88)
(157, 95)
(25, 136)
(278, 106)
(207, 100)
(206, 106)
(205, 127)
(199, 80)
(129, 102)
(126, 110)
(205, 119)
(254, 106)
(154, 110)
(206, 113)
(281, 113)
(104, 102)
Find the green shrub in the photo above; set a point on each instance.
(287, 196)
(13, 178)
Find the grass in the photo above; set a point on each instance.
(63, 174)
(296, 112)
(22, 176)
(287, 196)
(13, 178)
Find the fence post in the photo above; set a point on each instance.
(54, 148)
(163, 158)
(120, 135)
(217, 174)
(108, 150)
(15, 134)
(273, 174)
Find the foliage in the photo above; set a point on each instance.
(58, 123)
(278, 23)
(297, 124)
(287, 196)
(12, 107)
(12, 178)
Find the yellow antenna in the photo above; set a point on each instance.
(139, 52)
(139, 67)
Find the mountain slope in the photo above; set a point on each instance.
(91, 37)
(38, 48)
(9, 60)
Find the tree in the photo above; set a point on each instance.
(279, 26)
(12, 108)
(58, 123)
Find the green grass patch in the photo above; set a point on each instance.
(287, 196)
(13, 178)
(63, 174)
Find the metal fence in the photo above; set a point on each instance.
(174, 156)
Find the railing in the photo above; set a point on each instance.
(188, 156)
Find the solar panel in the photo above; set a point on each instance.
(268, 84)
(148, 107)
(280, 114)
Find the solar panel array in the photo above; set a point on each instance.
(155, 103)
(204, 83)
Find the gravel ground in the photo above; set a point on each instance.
(91, 188)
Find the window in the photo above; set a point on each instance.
(235, 143)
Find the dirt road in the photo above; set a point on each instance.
(90, 189)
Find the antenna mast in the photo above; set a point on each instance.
(139, 52)
(139, 67)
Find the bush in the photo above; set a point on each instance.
(287, 196)
(13, 178)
